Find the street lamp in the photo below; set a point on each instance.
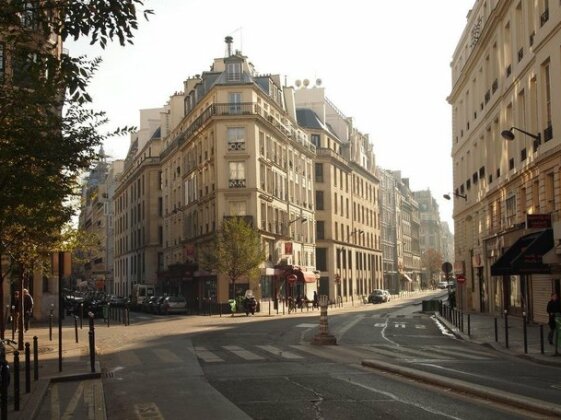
(448, 197)
(509, 135)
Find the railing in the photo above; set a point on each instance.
(236, 146)
(236, 183)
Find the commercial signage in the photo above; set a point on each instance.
(288, 248)
(460, 278)
(538, 221)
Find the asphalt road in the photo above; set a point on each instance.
(266, 368)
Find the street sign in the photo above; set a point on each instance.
(447, 268)
(291, 278)
(460, 278)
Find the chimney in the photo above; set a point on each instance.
(229, 40)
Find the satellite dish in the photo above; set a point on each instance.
(306, 82)
(298, 83)
(318, 82)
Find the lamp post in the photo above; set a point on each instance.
(509, 135)
(455, 194)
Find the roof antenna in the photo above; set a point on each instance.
(229, 40)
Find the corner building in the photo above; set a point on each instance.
(506, 151)
(232, 148)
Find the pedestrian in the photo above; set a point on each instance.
(316, 299)
(27, 308)
(15, 309)
(553, 308)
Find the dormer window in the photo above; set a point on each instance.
(234, 72)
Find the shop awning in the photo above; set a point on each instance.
(309, 277)
(525, 256)
(409, 279)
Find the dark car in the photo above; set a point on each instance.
(147, 304)
(377, 296)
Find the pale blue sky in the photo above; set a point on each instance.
(384, 63)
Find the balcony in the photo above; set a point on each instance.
(236, 183)
(548, 133)
(544, 17)
(236, 146)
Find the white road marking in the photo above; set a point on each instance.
(148, 411)
(306, 325)
(341, 331)
(420, 327)
(459, 353)
(278, 352)
(166, 356)
(399, 325)
(206, 355)
(69, 412)
(244, 354)
(380, 324)
(55, 402)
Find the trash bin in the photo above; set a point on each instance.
(232, 303)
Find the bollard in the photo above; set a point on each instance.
(81, 314)
(525, 333)
(323, 337)
(35, 359)
(220, 309)
(76, 328)
(16, 380)
(506, 329)
(14, 321)
(4, 390)
(51, 324)
(269, 307)
(469, 325)
(27, 369)
(461, 321)
(108, 316)
(352, 301)
(128, 315)
(541, 339)
(283, 306)
(91, 335)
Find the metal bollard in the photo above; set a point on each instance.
(76, 328)
(35, 359)
(506, 329)
(128, 315)
(283, 306)
(220, 309)
(461, 321)
(269, 307)
(91, 335)
(27, 369)
(496, 330)
(469, 325)
(81, 314)
(14, 321)
(541, 339)
(51, 323)
(16, 380)
(525, 333)
(4, 390)
(108, 315)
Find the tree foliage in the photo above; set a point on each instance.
(432, 261)
(48, 133)
(236, 251)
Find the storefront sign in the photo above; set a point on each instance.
(288, 248)
(538, 221)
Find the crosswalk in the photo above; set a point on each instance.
(262, 353)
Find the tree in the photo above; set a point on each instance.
(236, 251)
(48, 134)
(432, 262)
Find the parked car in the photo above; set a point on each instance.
(377, 296)
(147, 304)
(155, 304)
(117, 300)
(173, 305)
(388, 295)
(442, 285)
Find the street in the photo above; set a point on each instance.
(266, 368)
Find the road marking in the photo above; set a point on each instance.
(206, 355)
(341, 331)
(281, 353)
(244, 354)
(399, 325)
(55, 403)
(129, 358)
(380, 324)
(148, 411)
(166, 356)
(99, 401)
(69, 413)
(420, 327)
(306, 325)
(88, 399)
(459, 353)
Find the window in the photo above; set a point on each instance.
(319, 200)
(237, 174)
(235, 99)
(236, 138)
(320, 230)
(321, 259)
(238, 208)
(511, 164)
(319, 172)
(315, 140)
(28, 20)
(234, 72)
(23, 68)
(510, 210)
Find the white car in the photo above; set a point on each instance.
(442, 285)
(388, 295)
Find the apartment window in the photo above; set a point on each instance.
(236, 138)
(547, 87)
(238, 208)
(237, 174)
(511, 164)
(319, 200)
(234, 72)
(319, 172)
(320, 230)
(28, 19)
(315, 140)
(549, 192)
(523, 155)
(510, 210)
(234, 101)
(321, 259)
(23, 68)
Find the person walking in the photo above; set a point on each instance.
(27, 308)
(553, 308)
(15, 309)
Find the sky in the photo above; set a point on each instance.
(386, 64)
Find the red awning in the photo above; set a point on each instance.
(309, 277)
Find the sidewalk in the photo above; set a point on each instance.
(75, 366)
(482, 331)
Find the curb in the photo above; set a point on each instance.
(516, 400)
